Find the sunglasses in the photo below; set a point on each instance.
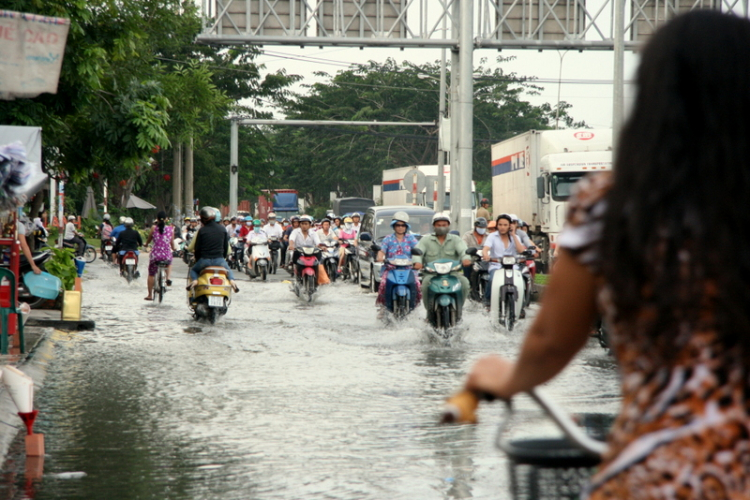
(399, 225)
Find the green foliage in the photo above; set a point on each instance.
(351, 159)
(89, 227)
(62, 265)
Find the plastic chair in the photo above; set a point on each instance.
(5, 313)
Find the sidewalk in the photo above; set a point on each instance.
(50, 318)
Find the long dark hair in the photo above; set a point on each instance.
(676, 226)
(161, 217)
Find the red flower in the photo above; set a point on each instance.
(167, 177)
(123, 183)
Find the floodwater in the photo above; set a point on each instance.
(278, 400)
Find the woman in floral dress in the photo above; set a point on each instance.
(653, 247)
(162, 234)
(398, 244)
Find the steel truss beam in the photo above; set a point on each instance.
(498, 24)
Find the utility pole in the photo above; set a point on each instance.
(618, 97)
(453, 154)
(177, 182)
(466, 117)
(440, 201)
(234, 161)
(189, 210)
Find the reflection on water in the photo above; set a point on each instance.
(278, 400)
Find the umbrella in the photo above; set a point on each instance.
(135, 202)
(89, 206)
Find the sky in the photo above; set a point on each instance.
(586, 76)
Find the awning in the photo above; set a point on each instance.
(135, 202)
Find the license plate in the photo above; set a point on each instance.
(129, 262)
(108, 248)
(215, 301)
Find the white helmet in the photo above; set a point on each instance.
(106, 216)
(71, 217)
(122, 219)
(128, 222)
(441, 216)
(271, 215)
(513, 217)
(306, 218)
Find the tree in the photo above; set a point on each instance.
(351, 159)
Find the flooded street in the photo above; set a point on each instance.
(278, 400)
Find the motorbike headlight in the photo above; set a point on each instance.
(400, 262)
(509, 261)
(442, 267)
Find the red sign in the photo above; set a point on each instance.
(584, 135)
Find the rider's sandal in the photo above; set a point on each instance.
(148, 298)
(169, 282)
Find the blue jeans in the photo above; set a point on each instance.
(201, 264)
(123, 252)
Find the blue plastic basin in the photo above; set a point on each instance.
(43, 285)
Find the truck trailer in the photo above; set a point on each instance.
(284, 202)
(400, 185)
(533, 174)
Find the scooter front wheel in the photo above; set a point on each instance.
(510, 312)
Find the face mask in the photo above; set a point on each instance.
(442, 230)
(272, 222)
(349, 225)
(256, 229)
(481, 230)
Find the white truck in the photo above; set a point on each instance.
(533, 174)
(401, 184)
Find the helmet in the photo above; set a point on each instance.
(271, 215)
(491, 224)
(207, 214)
(514, 217)
(484, 200)
(128, 222)
(356, 214)
(480, 222)
(71, 217)
(441, 216)
(106, 217)
(226, 219)
(306, 218)
(347, 220)
(248, 218)
(294, 218)
(325, 219)
(400, 216)
(256, 222)
(334, 217)
(187, 219)
(122, 219)
(285, 220)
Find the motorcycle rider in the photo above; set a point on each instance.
(210, 247)
(257, 232)
(129, 240)
(491, 227)
(302, 237)
(442, 245)
(498, 245)
(483, 210)
(336, 224)
(273, 228)
(326, 234)
(105, 231)
(294, 224)
(346, 233)
(233, 228)
(73, 237)
(395, 245)
(475, 239)
(356, 216)
(246, 228)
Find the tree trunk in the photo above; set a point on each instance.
(177, 182)
(189, 209)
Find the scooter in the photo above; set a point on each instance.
(210, 298)
(274, 245)
(508, 289)
(528, 271)
(350, 270)
(260, 257)
(443, 292)
(330, 258)
(129, 265)
(306, 276)
(236, 256)
(482, 270)
(400, 285)
(109, 245)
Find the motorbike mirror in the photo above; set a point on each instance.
(472, 251)
(416, 251)
(365, 237)
(375, 247)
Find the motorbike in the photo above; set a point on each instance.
(274, 245)
(237, 255)
(260, 257)
(400, 284)
(306, 276)
(187, 257)
(330, 259)
(443, 291)
(210, 298)
(482, 270)
(89, 252)
(508, 291)
(129, 266)
(109, 246)
(528, 271)
(350, 269)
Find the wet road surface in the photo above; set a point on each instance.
(278, 400)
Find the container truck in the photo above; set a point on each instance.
(284, 202)
(533, 174)
(400, 184)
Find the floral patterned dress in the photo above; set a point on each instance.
(392, 248)
(684, 430)
(161, 249)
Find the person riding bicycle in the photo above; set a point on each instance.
(475, 239)
(73, 238)
(441, 245)
(210, 247)
(398, 244)
(128, 240)
(163, 235)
